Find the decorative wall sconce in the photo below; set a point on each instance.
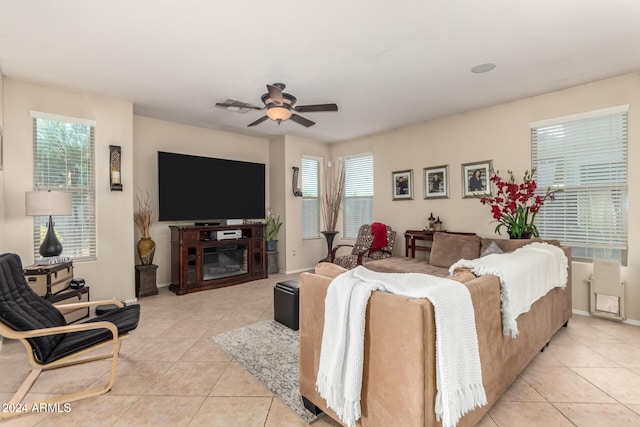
(294, 182)
(114, 168)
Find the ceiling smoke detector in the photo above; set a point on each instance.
(483, 68)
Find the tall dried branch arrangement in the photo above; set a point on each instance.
(143, 215)
(333, 195)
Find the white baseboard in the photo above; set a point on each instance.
(581, 312)
(586, 313)
(297, 271)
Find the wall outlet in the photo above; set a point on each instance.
(293, 252)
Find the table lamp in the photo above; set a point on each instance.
(48, 203)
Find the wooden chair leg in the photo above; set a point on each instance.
(19, 396)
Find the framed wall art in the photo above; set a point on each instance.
(436, 182)
(402, 182)
(475, 179)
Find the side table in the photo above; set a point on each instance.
(146, 280)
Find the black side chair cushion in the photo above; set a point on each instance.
(125, 319)
(23, 310)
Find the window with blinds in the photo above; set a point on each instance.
(63, 160)
(309, 172)
(585, 155)
(358, 193)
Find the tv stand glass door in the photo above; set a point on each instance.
(224, 260)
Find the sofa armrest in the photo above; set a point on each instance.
(397, 353)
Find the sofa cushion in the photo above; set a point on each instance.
(510, 245)
(449, 248)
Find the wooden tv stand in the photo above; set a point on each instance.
(200, 262)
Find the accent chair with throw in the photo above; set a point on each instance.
(374, 241)
(52, 343)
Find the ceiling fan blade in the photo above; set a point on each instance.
(257, 122)
(276, 94)
(301, 120)
(317, 107)
(233, 105)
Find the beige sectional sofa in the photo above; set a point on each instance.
(398, 387)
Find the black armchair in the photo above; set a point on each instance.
(50, 342)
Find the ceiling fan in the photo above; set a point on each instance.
(280, 106)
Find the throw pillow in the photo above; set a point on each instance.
(448, 248)
(492, 249)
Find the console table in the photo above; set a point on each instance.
(201, 259)
(412, 236)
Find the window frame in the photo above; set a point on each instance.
(347, 233)
(319, 162)
(84, 202)
(598, 181)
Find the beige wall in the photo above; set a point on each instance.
(151, 136)
(501, 134)
(309, 251)
(112, 274)
(2, 78)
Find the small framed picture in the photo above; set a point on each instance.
(436, 182)
(475, 179)
(402, 185)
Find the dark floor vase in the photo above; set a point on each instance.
(329, 235)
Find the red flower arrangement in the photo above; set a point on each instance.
(515, 205)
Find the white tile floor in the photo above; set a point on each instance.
(172, 373)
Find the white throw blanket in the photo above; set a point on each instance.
(526, 275)
(458, 371)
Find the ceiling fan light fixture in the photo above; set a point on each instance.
(278, 113)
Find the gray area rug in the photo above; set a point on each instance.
(269, 351)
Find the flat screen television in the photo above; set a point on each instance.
(195, 188)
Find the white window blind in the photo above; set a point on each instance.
(358, 193)
(586, 157)
(310, 168)
(63, 159)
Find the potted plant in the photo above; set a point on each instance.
(515, 206)
(272, 228)
(143, 217)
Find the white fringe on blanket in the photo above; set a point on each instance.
(526, 275)
(458, 370)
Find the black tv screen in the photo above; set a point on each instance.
(194, 188)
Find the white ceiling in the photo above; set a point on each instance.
(385, 63)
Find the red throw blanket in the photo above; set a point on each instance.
(379, 233)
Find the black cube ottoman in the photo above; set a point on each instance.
(286, 302)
